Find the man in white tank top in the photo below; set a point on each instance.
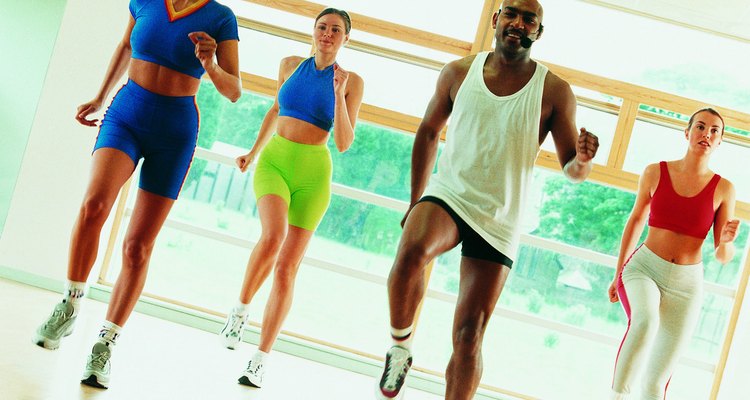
(503, 104)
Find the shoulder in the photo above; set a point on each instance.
(355, 81)
(222, 10)
(557, 87)
(290, 63)
(650, 176)
(726, 189)
(459, 67)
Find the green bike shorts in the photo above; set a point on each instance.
(298, 173)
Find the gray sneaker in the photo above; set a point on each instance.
(231, 334)
(58, 325)
(97, 369)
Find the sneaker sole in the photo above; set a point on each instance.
(380, 396)
(47, 343)
(246, 381)
(94, 382)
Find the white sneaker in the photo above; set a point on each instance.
(397, 364)
(253, 375)
(58, 325)
(98, 366)
(231, 333)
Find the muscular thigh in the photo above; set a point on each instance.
(430, 228)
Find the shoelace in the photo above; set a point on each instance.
(57, 316)
(250, 368)
(99, 360)
(237, 322)
(396, 371)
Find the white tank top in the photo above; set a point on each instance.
(491, 145)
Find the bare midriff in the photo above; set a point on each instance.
(674, 247)
(300, 131)
(162, 80)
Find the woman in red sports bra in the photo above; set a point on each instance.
(660, 283)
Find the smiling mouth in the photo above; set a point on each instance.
(515, 35)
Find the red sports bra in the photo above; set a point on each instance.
(691, 216)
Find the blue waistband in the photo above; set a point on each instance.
(134, 89)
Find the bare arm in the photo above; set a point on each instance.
(725, 226)
(575, 152)
(268, 126)
(427, 137)
(225, 74)
(117, 67)
(349, 89)
(636, 222)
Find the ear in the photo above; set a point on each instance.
(539, 32)
(687, 133)
(494, 20)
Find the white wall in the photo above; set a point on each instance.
(55, 168)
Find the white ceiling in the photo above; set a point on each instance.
(725, 17)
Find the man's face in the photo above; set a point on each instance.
(516, 19)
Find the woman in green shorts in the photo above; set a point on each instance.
(293, 176)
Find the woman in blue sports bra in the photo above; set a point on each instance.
(167, 46)
(292, 180)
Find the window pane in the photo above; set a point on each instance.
(426, 15)
(587, 215)
(718, 78)
(261, 53)
(391, 84)
(601, 123)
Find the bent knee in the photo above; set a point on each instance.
(467, 339)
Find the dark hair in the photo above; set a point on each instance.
(708, 110)
(341, 13)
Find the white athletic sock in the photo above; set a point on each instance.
(109, 333)
(241, 308)
(402, 337)
(73, 294)
(261, 357)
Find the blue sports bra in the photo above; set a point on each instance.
(308, 95)
(160, 34)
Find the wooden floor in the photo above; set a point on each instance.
(154, 359)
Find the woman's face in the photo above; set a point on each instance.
(330, 33)
(705, 133)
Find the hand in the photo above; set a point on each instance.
(586, 146)
(340, 77)
(205, 48)
(244, 161)
(613, 297)
(729, 231)
(85, 109)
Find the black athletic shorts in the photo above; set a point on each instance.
(472, 245)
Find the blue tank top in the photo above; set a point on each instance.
(160, 34)
(308, 95)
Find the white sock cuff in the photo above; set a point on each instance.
(109, 332)
(74, 290)
(240, 308)
(261, 356)
(402, 333)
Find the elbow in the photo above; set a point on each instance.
(342, 147)
(577, 178)
(234, 95)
